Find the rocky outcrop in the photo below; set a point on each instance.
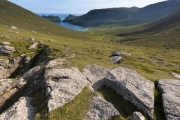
(33, 46)
(95, 75)
(7, 50)
(101, 110)
(137, 116)
(170, 90)
(63, 85)
(29, 75)
(21, 110)
(133, 88)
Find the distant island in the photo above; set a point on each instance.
(70, 18)
(52, 18)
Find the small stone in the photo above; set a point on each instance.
(13, 27)
(31, 39)
(4, 43)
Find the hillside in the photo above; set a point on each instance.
(48, 72)
(127, 16)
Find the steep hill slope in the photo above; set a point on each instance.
(127, 16)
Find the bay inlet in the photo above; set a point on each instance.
(65, 24)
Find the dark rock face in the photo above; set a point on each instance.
(170, 90)
(133, 88)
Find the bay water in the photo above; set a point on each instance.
(65, 24)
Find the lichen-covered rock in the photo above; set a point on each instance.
(95, 75)
(101, 110)
(170, 90)
(7, 50)
(176, 75)
(63, 85)
(137, 116)
(133, 87)
(21, 110)
(33, 46)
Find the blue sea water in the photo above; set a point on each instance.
(66, 24)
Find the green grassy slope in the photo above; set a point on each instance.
(12, 14)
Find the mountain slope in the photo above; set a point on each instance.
(127, 16)
(13, 15)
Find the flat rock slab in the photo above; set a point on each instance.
(101, 110)
(133, 87)
(137, 116)
(21, 110)
(95, 75)
(63, 85)
(170, 90)
(56, 63)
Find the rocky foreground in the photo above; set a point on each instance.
(62, 85)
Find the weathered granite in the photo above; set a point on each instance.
(95, 75)
(21, 110)
(170, 90)
(137, 116)
(133, 87)
(14, 27)
(63, 85)
(101, 110)
(31, 73)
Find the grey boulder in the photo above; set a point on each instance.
(133, 87)
(33, 46)
(170, 90)
(101, 110)
(116, 59)
(63, 85)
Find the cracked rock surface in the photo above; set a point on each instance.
(170, 90)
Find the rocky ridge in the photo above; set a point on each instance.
(62, 85)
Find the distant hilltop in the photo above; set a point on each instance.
(52, 18)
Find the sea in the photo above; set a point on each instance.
(65, 24)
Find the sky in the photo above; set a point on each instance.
(77, 6)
